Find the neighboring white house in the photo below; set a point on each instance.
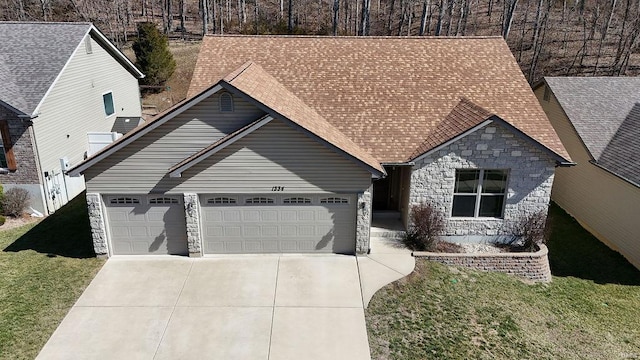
(598, 121)
(62, 85)
(288, 144)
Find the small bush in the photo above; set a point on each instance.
(15, 202)
(530, 232)
(2, 220)
(426, 226)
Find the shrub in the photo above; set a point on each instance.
(529, 232)
(2, 220)
(15, 201)
(153, 57)
(426, 226)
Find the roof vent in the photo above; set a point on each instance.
(226, 102)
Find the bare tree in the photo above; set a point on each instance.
(510, 8)
(423, 18)
(336, 12)
(364, 21)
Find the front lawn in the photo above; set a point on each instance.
(591, 310)
(44, 268)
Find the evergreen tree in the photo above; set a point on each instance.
(153, 57)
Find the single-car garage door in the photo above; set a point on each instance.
(146, 224)
(278, 223)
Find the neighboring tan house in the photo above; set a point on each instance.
(287, 144)
(598, 121)
(60, 84)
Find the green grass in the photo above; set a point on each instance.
(43, 270)
(591, 310)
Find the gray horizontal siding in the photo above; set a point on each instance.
(274, 155)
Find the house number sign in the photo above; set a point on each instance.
(277, 188)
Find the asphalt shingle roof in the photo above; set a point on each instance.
(605, 111)
(32, 54)
(386, 94)
(252, 80)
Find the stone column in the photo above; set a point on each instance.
(363, 225)
(96, 220)
(192, 215)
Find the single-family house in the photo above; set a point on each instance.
(65, 91)
(288, 144)
(598, 121)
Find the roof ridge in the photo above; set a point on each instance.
(354, 37)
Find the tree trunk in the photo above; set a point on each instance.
(440, 16)
(336, 12)
(391, 9)
(508, 18)
(290, 17)
(423, 18)
(204, 7)
(364, 21)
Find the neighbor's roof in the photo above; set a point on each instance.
(32, 54)
(605, 111)
(386, 94)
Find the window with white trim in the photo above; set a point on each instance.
(7, 157)
(124, 200)
(479, 193)
(163, 200)
(109, 108)
(226, 102)
(259, 200)
(334, 200)
(221, 200)
(296, 200)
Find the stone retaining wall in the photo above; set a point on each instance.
(533, 266)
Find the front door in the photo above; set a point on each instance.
(386, 191)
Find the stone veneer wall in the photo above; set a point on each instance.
(27, 171)
(533, 266)
(192, 214)
(96, 220)
(492, 147)
(363, 226)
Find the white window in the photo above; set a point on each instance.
(296, 200)
(226, 102)
(221, 200)
(259, 200)
(163, 200)
(124, 200)
(87, 44)
(479, 193)
(109, 108)
(334, 200)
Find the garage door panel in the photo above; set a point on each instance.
(145, 227)
(302, 224)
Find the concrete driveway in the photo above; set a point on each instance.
(240, 307)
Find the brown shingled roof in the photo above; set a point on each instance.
(386, 94)
(253, 81)
(464, 116)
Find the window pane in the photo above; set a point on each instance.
(464, 205)
(467, 181)
(108, 103)
(491, 206)
(495, 181)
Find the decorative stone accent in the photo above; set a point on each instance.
(363, 226)
(23, 150)
(532, 266)
(96, 220)
(192, 215)
(529, 182)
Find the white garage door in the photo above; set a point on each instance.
(278, 223)
(146, 224)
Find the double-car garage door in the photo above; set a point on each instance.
(234, 224)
